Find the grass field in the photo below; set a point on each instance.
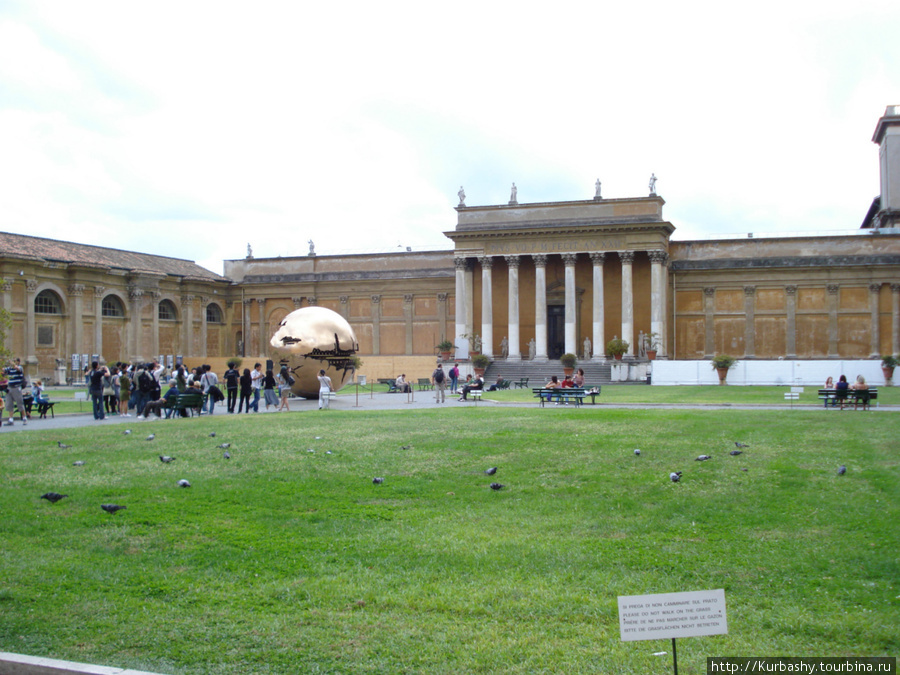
(282, 560)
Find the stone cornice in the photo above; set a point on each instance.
(787, 261)
(621, 225)
(447, 273)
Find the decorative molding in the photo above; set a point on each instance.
(5, 285)
(749, 290)
(188, 300)
(709, 291)
(247, 301)
(569, 258)
(134, 292)
(874, 288)
(540, 260)
(344, 299)
(76, 290)
(442, 297)
(298, 302)
(461, 263)
(832, 289)
(100, 291)
(31, 285)
(512, 261)
(376, 299)
(627, 257)
(311, 301)
(790, 290)
(598, 257)
(487, 262)
(658, 256)
(407, 298)
(895, 288)
(785, 262)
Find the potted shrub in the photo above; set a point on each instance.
(722, 363)
(653, 345)
(480, 363)
(445, 347)
(888, 363)
(568, 362)
(616, 347)
(474, 343)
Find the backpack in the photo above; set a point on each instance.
(438, 375)
(144, 382)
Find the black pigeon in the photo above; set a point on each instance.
(735, 453)
(227, 455)
(491, 471)
(151, 437)
(80, 462)
(212, 434)
(63, 445)
(842, 470)
(497, 486)
(165, 459)
(183, 483)
(702, 458)
(53, 497)
(377, 480)
(224, 446)
(675, 476)
(738, 444)
(111, 508)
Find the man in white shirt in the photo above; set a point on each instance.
(256, 380)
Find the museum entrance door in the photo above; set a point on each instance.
(556, 330)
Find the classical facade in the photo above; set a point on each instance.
(526, 281)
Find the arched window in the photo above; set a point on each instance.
(112, 307)
(47, 302)
(213, 313)
(167, 311)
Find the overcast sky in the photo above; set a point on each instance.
(193, 128)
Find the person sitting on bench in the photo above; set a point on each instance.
(476, 384)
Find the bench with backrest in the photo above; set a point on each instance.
(854, 396)
(425, 384)
(560, 395)
(521, 384)
(593, 392)
(391, 384)
(188, 401)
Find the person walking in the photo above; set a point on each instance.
(15, 379)
(325, 389)
(246, 382)
(439, 382)
(232, 377)
(285, 382)
(98, 373)
(454, 378)
(207, 380)
(256, 378)
(269, 385)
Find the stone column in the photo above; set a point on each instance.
(263, 337)
(658, 300)
(345, 306)
(540, 307)
(515, 350)
(154, 317)
(598, 335)
(749, 322)
(248, 302)
(376, 324)
(461, 298)
(408, 319)
(442, 315)
(627, 301)
(204, 301)
(895, 319)
(569, 318)
(874, 293)
(76, 339)
(790, 338)
(30, 294)
(136, 298)
(187, 325)
(709, 311)
(833, 294)
(487, 306)
(470, 297)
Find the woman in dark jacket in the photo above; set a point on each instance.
(246, 390)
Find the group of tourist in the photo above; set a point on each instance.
(842, 389)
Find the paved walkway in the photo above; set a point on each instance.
(382, 401)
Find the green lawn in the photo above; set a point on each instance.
(282, 560)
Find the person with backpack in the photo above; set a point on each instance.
(454, 378)
(439, 382)
(209, 384)
(232, 379)
(143, 389)
(97, 375)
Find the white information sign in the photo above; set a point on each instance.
(672, 615)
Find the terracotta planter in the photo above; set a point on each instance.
(723, 373)
(445, 356)
(888, 375)
(651, 354)
(617, 357)
(479, 371)
(568, 371)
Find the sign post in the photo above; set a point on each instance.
(672, 615)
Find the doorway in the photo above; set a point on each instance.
(556, 330)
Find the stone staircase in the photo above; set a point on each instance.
(539, 372)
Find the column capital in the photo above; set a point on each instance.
(134, 292)
(376, 299)
(311, 300)
(247, 301)
(156, 295)
(540, 260)
(407, 298)
(895, 288)
(749, 290)
(260, 301)
(5, 285)
(344, 299)
(442, 297)
(874, 288)
(76, 290)
(487, 262)
(512, 261)
(790, 290)
(298, 302)
(627, 257)
(31, 285)
(709, 291)
(658, 256)
(832, 288)
(598, 257)
(461, 263)
(188, 300)
(569, 258)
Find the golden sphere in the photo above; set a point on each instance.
(311, 339)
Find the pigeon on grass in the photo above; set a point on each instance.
(183, 483)
(497, 486)
(377, 480)
(212, 434)
(224, 446)
(491, 471)
(675, 476)
(80, 462)
(150, 437)
(227, 455)
(735, 453)
(53, 497)
(842, 470)
(111, 508)
(703, 458)
(127, 432)
(165, 459)
(637, 452)
(738, 444)
(63, 445)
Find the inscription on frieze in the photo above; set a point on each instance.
(563, 246)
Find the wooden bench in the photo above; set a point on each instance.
(560, 395)
(189, 401)
(855, 396)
